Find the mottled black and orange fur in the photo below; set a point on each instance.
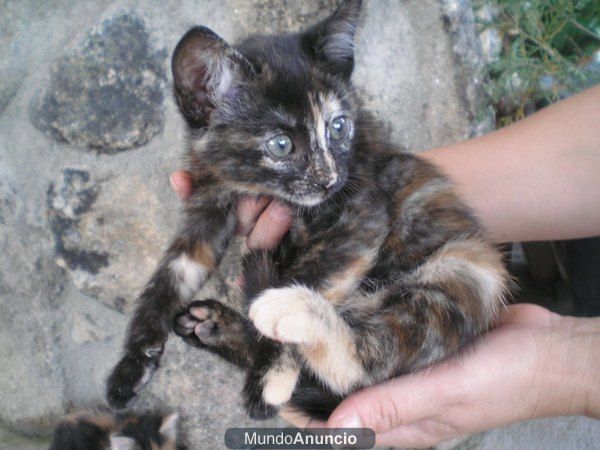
(384, 270)
(103, 431)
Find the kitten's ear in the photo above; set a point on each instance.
(122, 443)
(168, 428)
(331, 41)
(205, 69)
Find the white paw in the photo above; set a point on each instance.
(289, 314)
(279, 386)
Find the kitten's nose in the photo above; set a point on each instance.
(330, 182)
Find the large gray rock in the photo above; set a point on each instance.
(11, 67)
(31, 379)
(562, 433)
(106, 94)
(280, 16)
(11, 441)
(109, 233)
(10, 81)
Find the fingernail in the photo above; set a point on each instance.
(174, 185)
(352, 421)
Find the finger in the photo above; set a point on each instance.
(181, 182)
(406, 436)
(384, 407)
(421, 434)
(249, 210)
(270, 227)
(299, 419)
(526, 314)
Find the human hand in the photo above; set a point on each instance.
(263, 221)
(534, 364)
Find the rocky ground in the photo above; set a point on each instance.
(88, 136)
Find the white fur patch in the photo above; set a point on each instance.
(122, 443)
(275, 164)
(218, 75)
(168, 429)
(320, 128)
(189, 275)
(324, 108)
(300, 315)
(148, 372)
(330, 162)
(279, 385)
(489, 283)
(307, 200)
(339, 43)
(284, 314)
(457, 260)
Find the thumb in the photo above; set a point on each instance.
(384, 407)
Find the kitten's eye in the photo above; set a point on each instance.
(280, 146)
(339, 128)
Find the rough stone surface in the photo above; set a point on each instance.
(11, 69)
(10, 80)
(550, 434)
(80, 231)
(107, 240)
(277, 16)
(31, 380)
(106, 94)
(459, 22)
(11, 441)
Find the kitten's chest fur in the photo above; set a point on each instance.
(347, 237)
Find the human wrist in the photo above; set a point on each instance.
(586, 332)
(569, 369)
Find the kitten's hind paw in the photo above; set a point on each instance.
(129, 376)
(267, 389)
(254, 403)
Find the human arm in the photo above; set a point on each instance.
(538, 179)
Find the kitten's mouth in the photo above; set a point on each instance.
(309, 200)
(315, 199)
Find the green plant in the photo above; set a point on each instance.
(546, 45)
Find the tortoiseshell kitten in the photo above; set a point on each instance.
(101, 431)
(384, 270)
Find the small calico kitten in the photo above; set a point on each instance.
(384, 271)
(100, 431)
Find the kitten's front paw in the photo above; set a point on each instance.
(207, 323)
(130, 375)
(288, 315)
